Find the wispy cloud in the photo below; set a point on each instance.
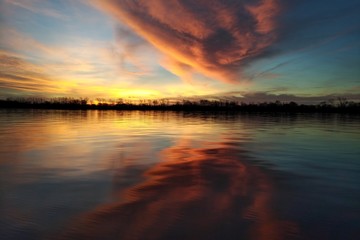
(18, 74)
(133, 54)
(211, 37)
(80, 67)
(37, 7)
(69, 60)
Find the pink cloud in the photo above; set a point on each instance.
(211, 37)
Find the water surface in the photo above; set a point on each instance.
(175, 175)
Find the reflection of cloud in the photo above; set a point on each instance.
(211, 37)
(195, 193)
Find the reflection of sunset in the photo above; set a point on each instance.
(177, 175)
(62, 143)
(216, 185)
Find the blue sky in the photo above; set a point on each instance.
(175, 49)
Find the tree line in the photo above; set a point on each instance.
(332, 105)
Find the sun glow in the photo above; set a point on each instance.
(138, 93)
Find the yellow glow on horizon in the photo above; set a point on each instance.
(148, 93)
(115, 92)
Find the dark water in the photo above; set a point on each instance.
(166, 175)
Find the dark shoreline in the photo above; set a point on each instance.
(256, 110)
(190, 106)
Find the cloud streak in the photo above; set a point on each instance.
(211, 37)
(37, 7)
(18, 74)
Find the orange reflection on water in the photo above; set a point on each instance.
(212, 191)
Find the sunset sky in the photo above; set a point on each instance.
(258, 50)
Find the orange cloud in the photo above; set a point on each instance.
(212, 37)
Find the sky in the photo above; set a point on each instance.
(254, 50)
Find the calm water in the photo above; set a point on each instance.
(165, 175)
